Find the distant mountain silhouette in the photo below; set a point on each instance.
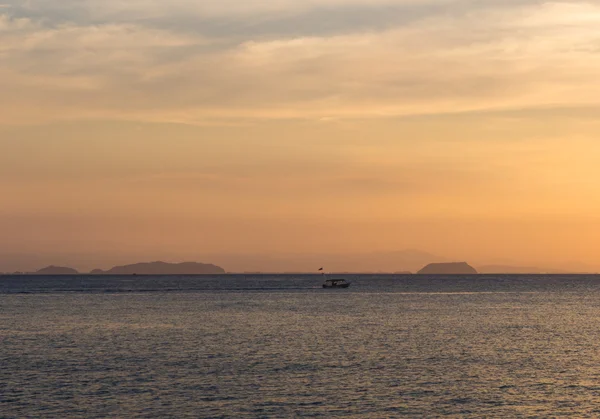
(162, 268)
(456, 268)
(56, 270)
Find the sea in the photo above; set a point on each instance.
(281, 346)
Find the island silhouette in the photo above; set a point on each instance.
(56, 270)
(454, 268)
(146, 268)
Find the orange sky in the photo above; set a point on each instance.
(465, 129)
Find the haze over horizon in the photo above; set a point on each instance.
(137, 131)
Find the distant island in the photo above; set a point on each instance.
(56, 270)
(162, 268)
(150, 268)
(455, 268)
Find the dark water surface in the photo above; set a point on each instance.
(280, 346)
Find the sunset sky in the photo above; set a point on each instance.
(181, 129)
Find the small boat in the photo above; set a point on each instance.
(336, 283)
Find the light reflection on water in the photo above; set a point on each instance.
(363, 352)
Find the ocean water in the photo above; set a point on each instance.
(281, 346)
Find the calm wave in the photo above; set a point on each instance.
(280, 346)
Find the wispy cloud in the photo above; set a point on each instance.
(190, 62)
